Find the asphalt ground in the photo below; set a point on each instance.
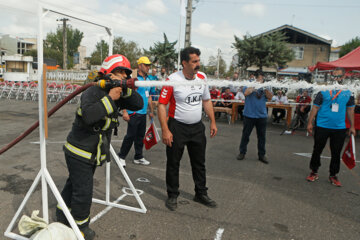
(255, 200)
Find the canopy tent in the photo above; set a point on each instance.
(350, 62)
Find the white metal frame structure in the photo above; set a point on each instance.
(44, 175)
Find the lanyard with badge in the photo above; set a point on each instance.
(334, 106)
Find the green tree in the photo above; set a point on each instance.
(211, 67)
(100, 53)
(231, 71)
(349, 46)
(129, 49)
(164, 53)
(48, 53)
(263, 51)
(54, 44)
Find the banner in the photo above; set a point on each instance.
(151, 136)
(348, 156)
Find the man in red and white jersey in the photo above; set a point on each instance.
(227, 95)
(184, 127)
(215, 94)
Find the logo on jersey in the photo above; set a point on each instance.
(164, 93)
(193, 99)
(193, 87)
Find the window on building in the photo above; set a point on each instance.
(13, 66)
(298, 52)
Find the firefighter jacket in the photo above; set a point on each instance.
(90, 136)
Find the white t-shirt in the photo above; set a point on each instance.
(240, 96)
(282, 99)
(185, 101)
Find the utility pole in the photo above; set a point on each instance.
(64, 20)
(189, 10)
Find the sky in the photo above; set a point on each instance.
(214, 22)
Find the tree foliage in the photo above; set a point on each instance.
(100, 53)
(211, 68)
(349, 46)
(48, 53)
(53, 45)
(164, 53)
(129, 49)
(263, 51)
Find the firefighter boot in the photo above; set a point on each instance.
(87, 233)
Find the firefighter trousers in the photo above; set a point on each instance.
(78, 191)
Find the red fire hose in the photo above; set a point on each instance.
(51, 112)
(101, 83)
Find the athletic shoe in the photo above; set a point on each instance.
(122, 162)
(141, 161)
(241, 156)
(334, 181)
(263, 159)
(204, 199)
(171, 203)
(312, 177)
(88, 233)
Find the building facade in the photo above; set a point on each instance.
(16, 45)
(308, 48)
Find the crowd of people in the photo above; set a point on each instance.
(179, 111)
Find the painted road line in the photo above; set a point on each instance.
(309, 155)
(219, 234)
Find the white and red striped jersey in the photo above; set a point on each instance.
(185, 101)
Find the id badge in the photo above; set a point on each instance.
(335, 107)
(147, 93)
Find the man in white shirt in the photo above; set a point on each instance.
(279, 113)
(185, 128)
(240, 96)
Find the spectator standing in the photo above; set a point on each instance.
(252, 78)
(279, 113)
(137, 120)
(235, 78)
(184, 127)
(255, 114)
(163, 74)
(154, 91)
(330, 108)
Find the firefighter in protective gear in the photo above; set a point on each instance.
(88, 143)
